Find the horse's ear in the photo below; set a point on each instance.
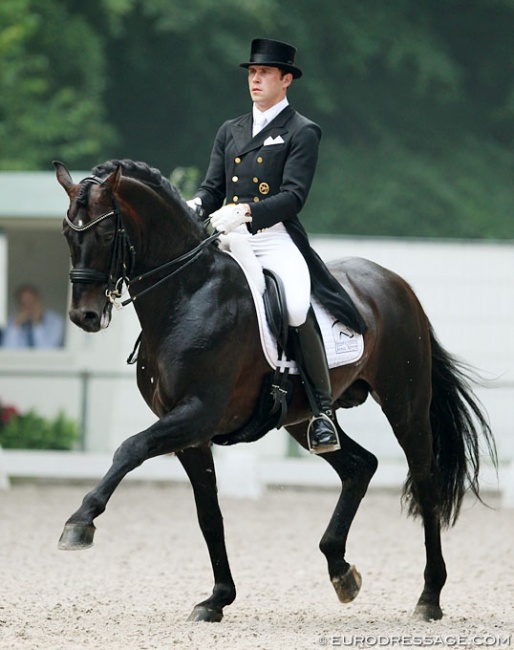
(63, 176)
(112, 181)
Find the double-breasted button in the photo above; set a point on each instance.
(259, 159)
(237, 160)
(255, 179)
(263, 188)
(256, 199)
(235, 179)
(235, 199)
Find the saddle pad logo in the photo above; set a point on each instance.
(345, 340)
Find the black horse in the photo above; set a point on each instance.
(201, 369)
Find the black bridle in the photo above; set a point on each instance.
(123, 258)
(122, 255)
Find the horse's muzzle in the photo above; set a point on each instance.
(90, 319)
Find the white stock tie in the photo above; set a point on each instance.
(258, 124)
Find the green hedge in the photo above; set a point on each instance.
(31, 431)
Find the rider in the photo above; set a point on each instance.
(263, 164)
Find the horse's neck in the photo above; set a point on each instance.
(161, 231)
(157, 227)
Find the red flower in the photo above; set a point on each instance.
(7, 413)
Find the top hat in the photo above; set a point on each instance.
(276, 54)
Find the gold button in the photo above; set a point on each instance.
(263, 188)
(255, 179)
(256, 199)
(259, 159)
(235, 199)
(235, 179)
(237, 160)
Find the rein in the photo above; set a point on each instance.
(186, 259)
(123, 259)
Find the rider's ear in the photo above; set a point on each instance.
(112, 181)
(64, 177)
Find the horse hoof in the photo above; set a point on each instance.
(348, 586)
(427, 613)
(207, 614)
(76, 537)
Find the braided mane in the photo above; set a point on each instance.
(150, 176)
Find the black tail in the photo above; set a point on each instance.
(458, 428)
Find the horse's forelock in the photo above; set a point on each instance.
(83, 194)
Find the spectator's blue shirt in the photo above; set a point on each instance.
(49, 333)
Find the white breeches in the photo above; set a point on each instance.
(277, 252)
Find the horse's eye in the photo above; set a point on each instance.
(108, 237)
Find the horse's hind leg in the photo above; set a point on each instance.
(423, 492)
(199, 466)
(355, 467)
(428, 606)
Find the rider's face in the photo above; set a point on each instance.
(267, 85)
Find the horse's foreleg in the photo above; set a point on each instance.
(355, 467)
(199, 466)
(169, 434)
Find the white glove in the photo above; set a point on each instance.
(229, 217)
(194, 203)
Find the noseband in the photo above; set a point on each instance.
(123, 258)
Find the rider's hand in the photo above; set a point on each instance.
(194, 203)
(230, 217)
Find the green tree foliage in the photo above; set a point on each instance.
(415, 98)
(172, 75)
(51, 85)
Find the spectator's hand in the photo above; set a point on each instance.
(230, 217)
(30, 311)
(22, 317)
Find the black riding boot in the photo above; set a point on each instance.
(312, 363)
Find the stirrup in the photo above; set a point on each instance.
(335, 446)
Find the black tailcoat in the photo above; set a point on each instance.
(273, 171)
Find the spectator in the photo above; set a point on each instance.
(33, 326)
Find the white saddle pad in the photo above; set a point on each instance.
(342, 345)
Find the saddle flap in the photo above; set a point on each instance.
(275, 307)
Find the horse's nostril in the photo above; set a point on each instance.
(90, 316)
(87, 319)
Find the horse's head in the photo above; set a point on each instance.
(91, 230)
(122, 209)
